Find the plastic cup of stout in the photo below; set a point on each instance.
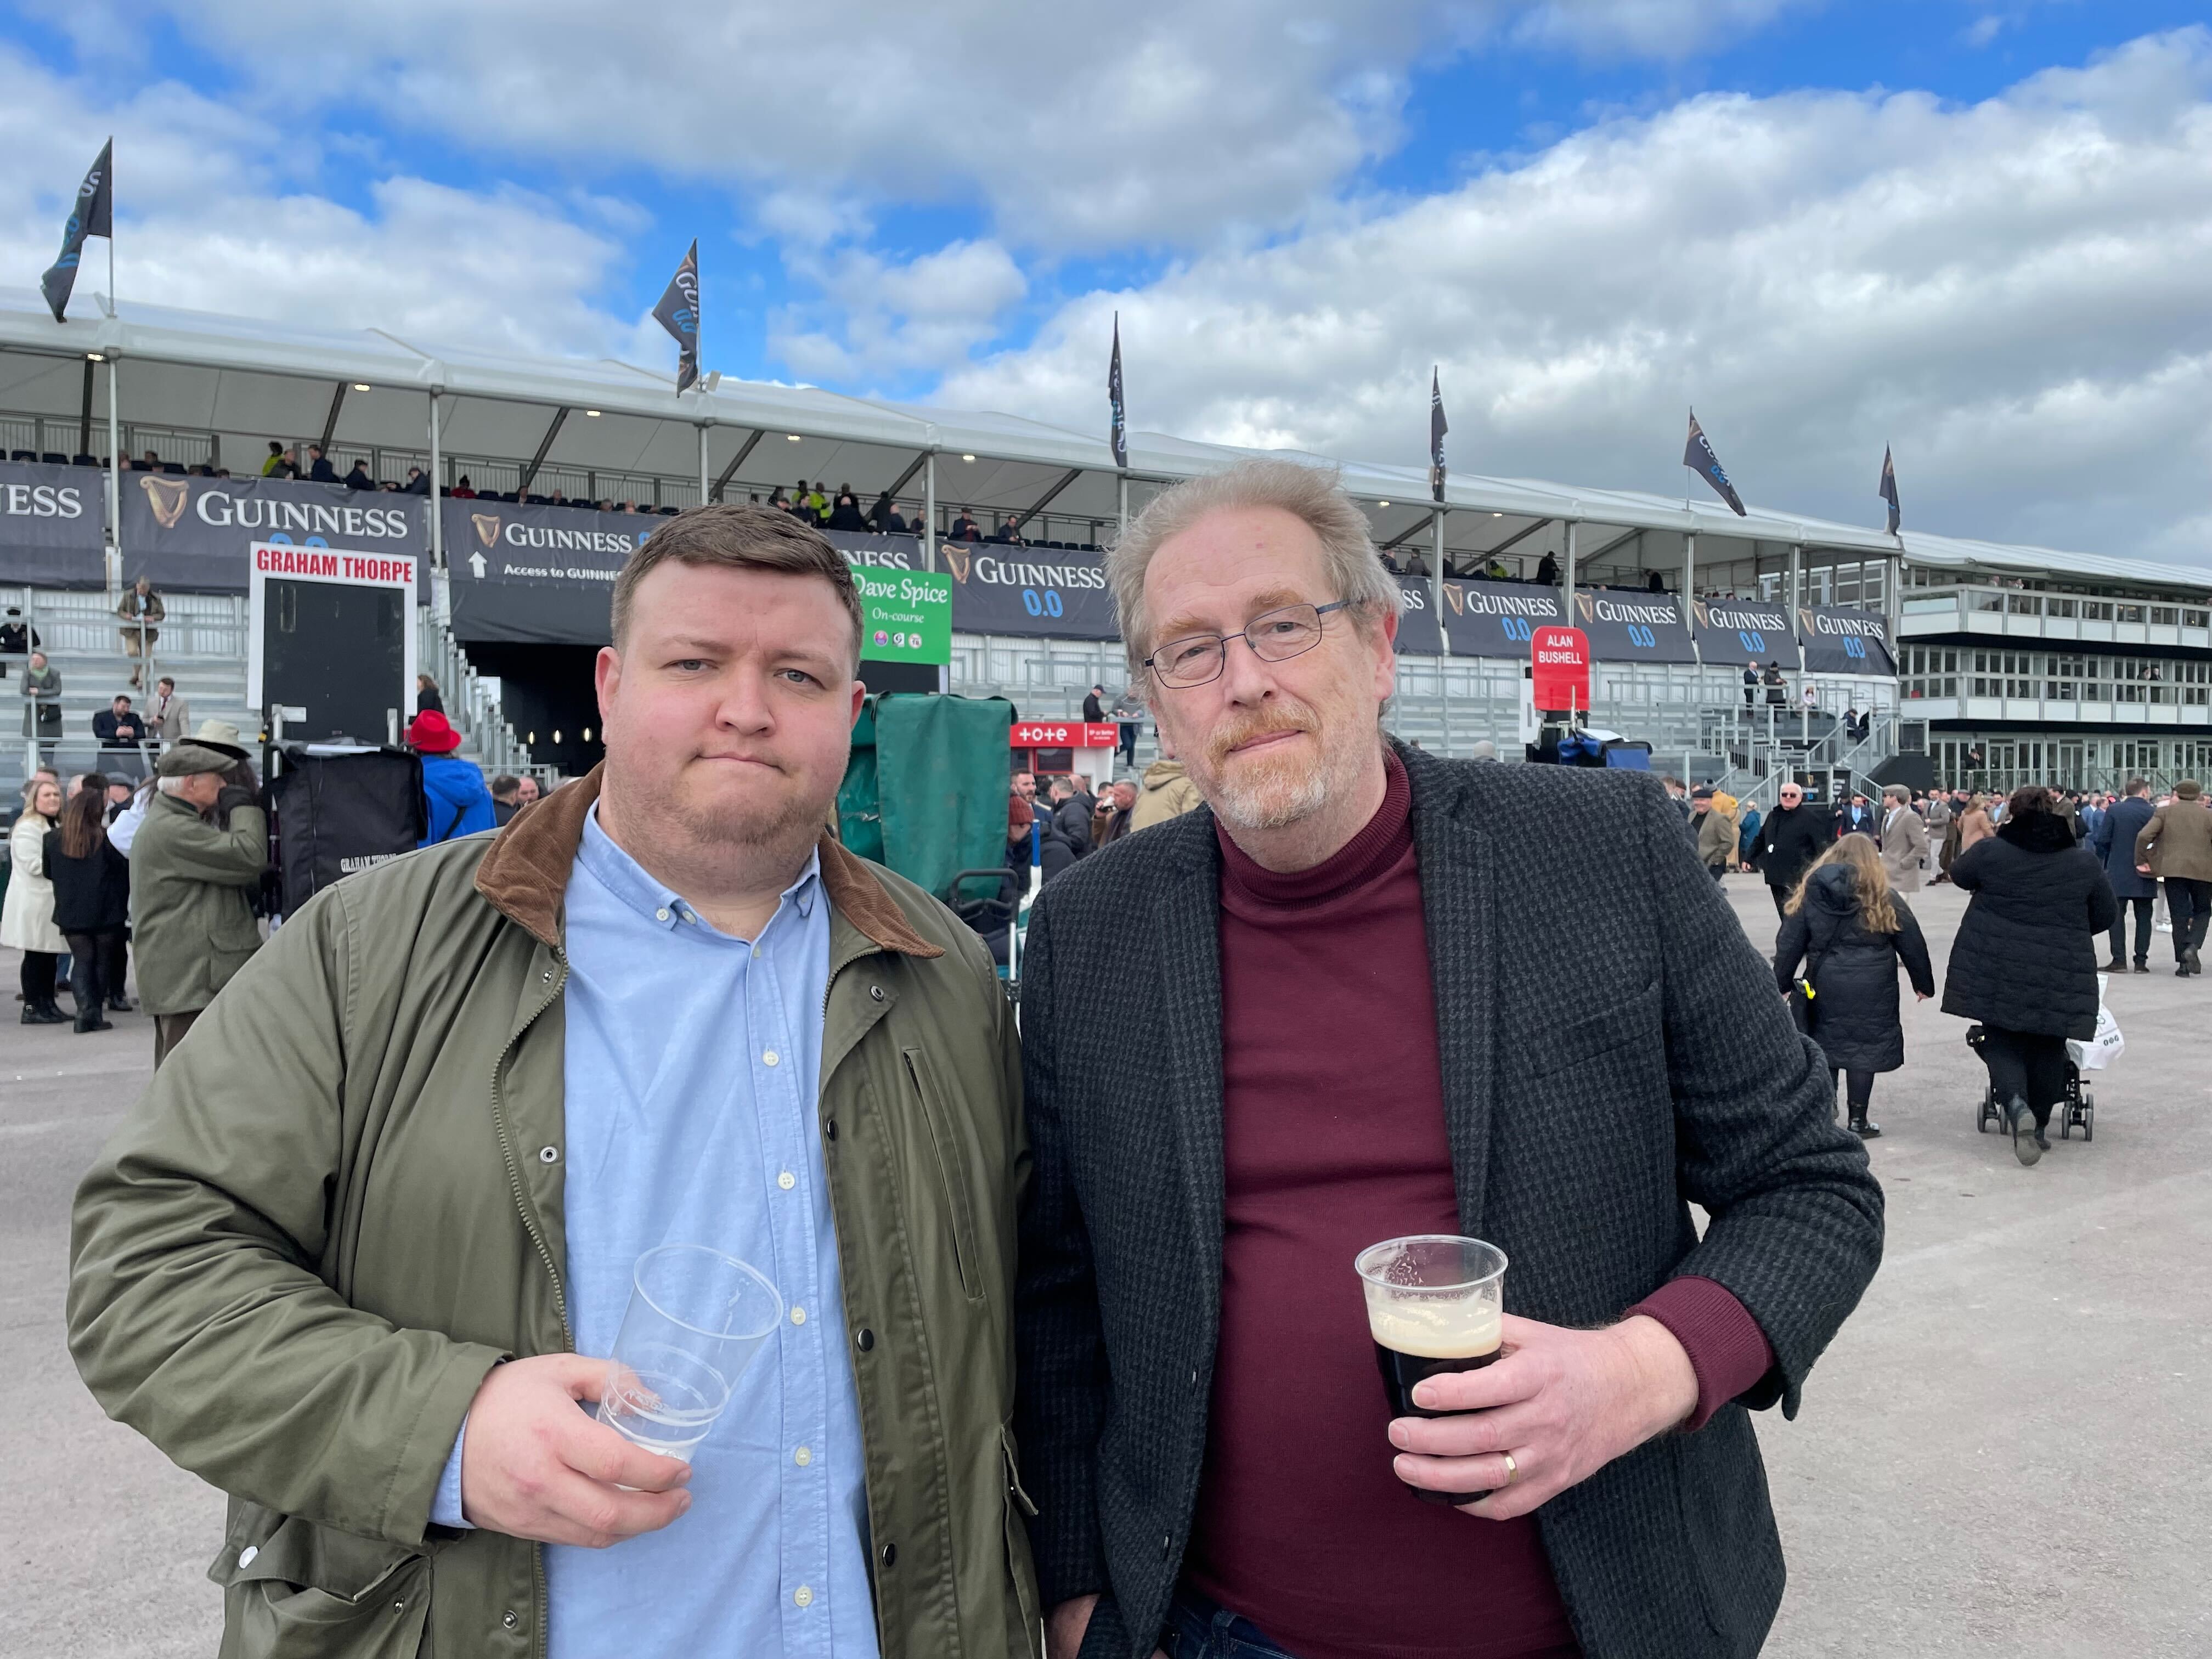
(1435, 1303)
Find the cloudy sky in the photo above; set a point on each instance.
(1978, 230)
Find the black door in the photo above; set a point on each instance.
(340, 653)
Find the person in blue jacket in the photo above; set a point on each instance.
(456, 799)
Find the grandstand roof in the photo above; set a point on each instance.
(201, 371)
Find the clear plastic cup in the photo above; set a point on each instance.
(696, 1319)
(1435, 1304)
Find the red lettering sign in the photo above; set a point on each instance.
(1560, 658)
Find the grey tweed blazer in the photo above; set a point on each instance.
(1612, 1049)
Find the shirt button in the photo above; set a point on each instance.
(768, 1057)
(786, 1180)
(803, 1596)
(661, 915)
(803, 1456)
(245, 1556)
(798, 1315)
(548, 1154)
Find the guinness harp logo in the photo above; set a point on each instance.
(957, 560)
(487, 525)
(1583, 605)
(1805, 622)
(1698, 609)
(1455, 596)
(167, 496)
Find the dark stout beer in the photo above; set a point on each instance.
(1434, 1306)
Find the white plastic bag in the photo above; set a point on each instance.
(2107, 1046)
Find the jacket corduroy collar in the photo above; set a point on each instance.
(525, 875)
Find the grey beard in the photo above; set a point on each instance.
(1250, 806)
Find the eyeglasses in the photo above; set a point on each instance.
(1274, 637)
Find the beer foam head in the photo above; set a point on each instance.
(1435, 1297)
(1440, 1327)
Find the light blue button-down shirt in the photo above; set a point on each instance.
(693, 1064)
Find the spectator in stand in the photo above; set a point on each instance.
(1791, 839)
(42, 702)
(965, 528)
(140, 607)
(2176, 845)
(1416, 565)
(275, 466)
(358, 478)
(1548, 571)
(418, 482)
(504, 806)
(1750, 684)
(119, 732)
(197, 860)
(427, 699)
(17, 638)
(1094, 708)
(1006, 533)
(2113, 842)
(320, 469)
(149, 462)
(26, 916)
(92, 904)
(885, 514)
(846, 514)
(465, 491)
(455, 798)
(526, 790)
(1129, 712)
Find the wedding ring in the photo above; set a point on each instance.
(1512, 1468)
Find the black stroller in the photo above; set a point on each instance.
(2076, 1109)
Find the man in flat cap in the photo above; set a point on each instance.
(195, 863)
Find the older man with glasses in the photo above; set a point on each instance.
(1388, 994)
(1790, 841)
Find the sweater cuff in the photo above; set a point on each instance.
(1727, 1349)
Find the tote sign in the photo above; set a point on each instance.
(1560, 659)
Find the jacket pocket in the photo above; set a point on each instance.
(296, 1590)
(951, 1171)
(1557, 1049)
(1020, 1568)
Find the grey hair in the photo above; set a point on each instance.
(1897, 792)
(170, 786)
(1310, 493)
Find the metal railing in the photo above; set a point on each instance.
(471, 705)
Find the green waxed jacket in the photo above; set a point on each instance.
(191, 902)
(340, 1204)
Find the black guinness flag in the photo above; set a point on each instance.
(1438, 427)
(678, 312)
(94, 215)
(1119, 435)
(1698, 457)
(1888, 491)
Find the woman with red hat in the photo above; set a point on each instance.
(456, 800)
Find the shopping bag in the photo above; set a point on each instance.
(2102, 1050)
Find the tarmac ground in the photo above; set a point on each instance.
(2003, 1454)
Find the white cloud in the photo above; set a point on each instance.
(877, 318)
(2011, 292)
(1665, 29)
(214, 215)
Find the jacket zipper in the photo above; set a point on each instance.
(544, 1254)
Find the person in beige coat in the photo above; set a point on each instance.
(2176, 846)
(1167, 794)
(1903, 840)
(27, 918)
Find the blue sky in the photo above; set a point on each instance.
(1829, 225)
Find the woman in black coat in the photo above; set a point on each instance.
(92, 902)
(2023, 964)
(1851, 931)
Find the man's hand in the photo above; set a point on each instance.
(1064, 1624)
(2143, 869)
(533, 1466)
(1564, 1403)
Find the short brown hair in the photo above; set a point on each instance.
(738, 539)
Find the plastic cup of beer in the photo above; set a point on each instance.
(1435, 1304)
(696, 1319)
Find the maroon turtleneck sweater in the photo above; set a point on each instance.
(1334, 1138)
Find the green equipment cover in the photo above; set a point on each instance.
(925, 790)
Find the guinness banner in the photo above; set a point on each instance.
(1045, 593)
(192, 533)
(539, 575)
(1844, 640)
(1732, 632)
(50, 525)
(1497, 619)
(1632, 627)
(1417, 620)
